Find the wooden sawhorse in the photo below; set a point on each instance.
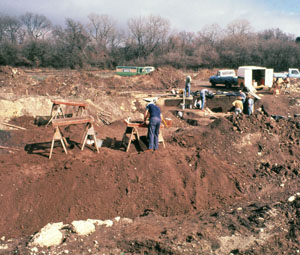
(57, 111)
(58, 135)
(133, 133)
(132, 130)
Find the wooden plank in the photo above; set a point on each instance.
(135, 124)
(72, 121)
(144, 125)
(8, 148)
(14, 126)
(72, 103)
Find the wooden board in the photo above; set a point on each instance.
(145, 125)
(71, 121)
(71, 103)
(135, 123)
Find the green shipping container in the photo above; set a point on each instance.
(133, 70)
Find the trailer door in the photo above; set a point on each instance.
(269, 78)
(248, 79)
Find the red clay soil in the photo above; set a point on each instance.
(183, 198)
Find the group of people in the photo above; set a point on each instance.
(279, 83)
(244, 103)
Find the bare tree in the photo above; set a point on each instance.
(71, 43)
(148, 33)
(102, 29)
(239, 27)
(10, 29)
(210, 34)
(37, 26)
(275, 34)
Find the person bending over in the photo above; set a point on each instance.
(155, 117)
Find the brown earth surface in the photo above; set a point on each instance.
(221, 185)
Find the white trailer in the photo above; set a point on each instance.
(254, 77)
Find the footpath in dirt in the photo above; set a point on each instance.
(228, 187)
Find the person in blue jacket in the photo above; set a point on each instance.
(153, 112)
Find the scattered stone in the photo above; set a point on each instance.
(291, 199)
(82, 227)
(49, 235)
(108, 223)
(34, 249)
(3, 247)
(126, 221)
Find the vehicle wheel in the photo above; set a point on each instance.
(227, 85)
(213, 84)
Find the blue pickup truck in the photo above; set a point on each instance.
(227, 77)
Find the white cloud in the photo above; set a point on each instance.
(188, 15)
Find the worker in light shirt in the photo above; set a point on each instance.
(238, 106)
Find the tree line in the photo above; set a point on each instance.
(32, 40)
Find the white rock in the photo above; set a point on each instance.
(126, 220)
(108, 223)
(34, 249)
(82, 227)
(49, 235)
(117, 219)
(291, 199)
(96, 222)
(3, 246)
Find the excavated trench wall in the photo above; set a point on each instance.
(216, 104)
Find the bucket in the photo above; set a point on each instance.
(169, 122)
(99, 143)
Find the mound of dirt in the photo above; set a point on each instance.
(204, 74)
(79, 84)
(219, 188)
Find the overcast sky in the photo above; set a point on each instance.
(187, 15)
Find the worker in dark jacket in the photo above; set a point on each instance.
(155, 117)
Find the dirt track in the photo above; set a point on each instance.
(220, 186)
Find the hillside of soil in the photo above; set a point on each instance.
(228, 185)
